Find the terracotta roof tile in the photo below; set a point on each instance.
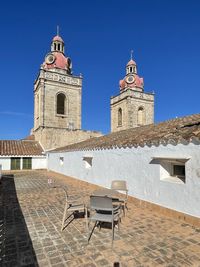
(20, 148)
(180, 130)
(29, 137)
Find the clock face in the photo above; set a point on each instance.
(130, 79)
(50, 58)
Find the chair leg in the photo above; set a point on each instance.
(112, 232)
(64, 216)
(118, 223)
(89, 235)
(124, 208)
(86, 219)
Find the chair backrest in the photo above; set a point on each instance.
(101, 203)
(119, 185)
(52, 184)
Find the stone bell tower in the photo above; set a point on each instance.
(132, 107)
(57, 100)
(57, 93)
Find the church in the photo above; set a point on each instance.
(57, 110)
(160, 162)
(57, 101)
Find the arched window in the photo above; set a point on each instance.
(141, 116)
(119, 117)
(61, 99)
(54, 46)
(58, 47)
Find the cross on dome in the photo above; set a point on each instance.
(57, 30)
(131, 54)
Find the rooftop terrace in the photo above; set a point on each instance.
(30, 222)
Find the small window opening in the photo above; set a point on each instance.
(88, 162)
(179, 171)
(54, 46)
(173, 172)
(59, 47)
(61, 161)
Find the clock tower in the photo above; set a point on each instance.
(57, 100)
(132, 107)
(57, 93)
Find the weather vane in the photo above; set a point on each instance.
(57, 30)
(131, 54)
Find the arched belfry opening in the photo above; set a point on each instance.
(61, 104)
(119, 117)
(141, 116)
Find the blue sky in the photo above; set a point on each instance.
(98, 35)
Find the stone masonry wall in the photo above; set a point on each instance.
(46, 88)
(51, 138)
(130, 101)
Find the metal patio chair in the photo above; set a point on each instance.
(102, 210)
(121, 187)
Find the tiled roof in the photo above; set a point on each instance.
(20, 148)
(30, 137)
(180, 130)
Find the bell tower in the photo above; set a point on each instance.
(57, 101)
(57, 92)
(132, 107)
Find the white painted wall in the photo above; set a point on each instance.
(5, 162)
(142, 175)
(37, 163)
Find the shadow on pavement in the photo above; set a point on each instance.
(16, 247)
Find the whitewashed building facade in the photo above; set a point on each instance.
(21, 155)
(160, 162)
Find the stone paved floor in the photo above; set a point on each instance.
(30, 220)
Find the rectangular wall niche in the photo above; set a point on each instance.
(88, 161)
(61, 161)
(172, 169)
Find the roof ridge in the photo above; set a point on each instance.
(169, 131)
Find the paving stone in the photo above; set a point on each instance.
(55, 260)
(30, 222)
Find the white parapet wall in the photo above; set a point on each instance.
(143, 173)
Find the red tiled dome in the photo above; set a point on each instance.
(138, 82)
(122, 84)
(60, 62)
(58, 38)
(131, 62)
